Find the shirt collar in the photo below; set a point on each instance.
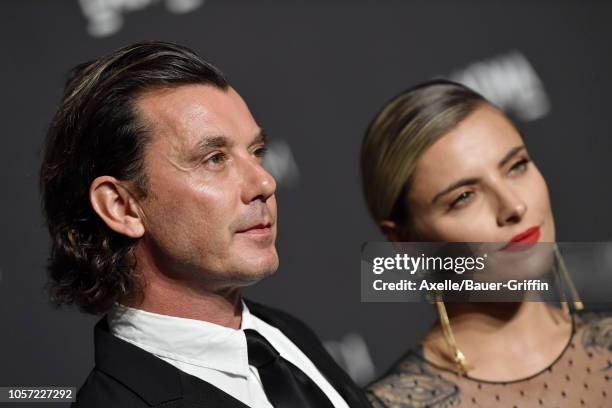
(190, 341)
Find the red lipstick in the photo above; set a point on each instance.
(524, 240)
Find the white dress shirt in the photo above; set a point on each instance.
(213, 353)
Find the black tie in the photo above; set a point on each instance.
(286, 386)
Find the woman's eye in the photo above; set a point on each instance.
(461, 200)
(519, 166)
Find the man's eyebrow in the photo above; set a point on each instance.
(215, 142)
(211, 142)
(474, 180)
(262, 137)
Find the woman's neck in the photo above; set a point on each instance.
(502, 341)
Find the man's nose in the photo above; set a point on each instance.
(258, 184)
(511, 208)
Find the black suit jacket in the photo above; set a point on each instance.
(127, 376)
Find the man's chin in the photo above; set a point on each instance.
(250, 272)
(255, 278)
(247, 278)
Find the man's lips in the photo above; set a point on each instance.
(523, 240)
(262, 228)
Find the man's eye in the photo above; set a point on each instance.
(519, 166)
(461, 200)
(261, 152)
(215, 159)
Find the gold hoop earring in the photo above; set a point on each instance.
(458, 357)
(563, 277)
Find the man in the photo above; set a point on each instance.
(160, 211)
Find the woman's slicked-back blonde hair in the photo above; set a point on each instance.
(400, 133)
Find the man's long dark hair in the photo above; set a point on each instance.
(97, 131)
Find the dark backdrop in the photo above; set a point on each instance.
(313, 73)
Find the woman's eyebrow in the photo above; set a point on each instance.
(510, 155)
(469, 181)
(456, 184)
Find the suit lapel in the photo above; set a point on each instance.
(158, 382)
(200, 393)
(154, 380)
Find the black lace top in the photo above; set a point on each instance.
(580, 377)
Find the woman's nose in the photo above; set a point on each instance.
(511, 207)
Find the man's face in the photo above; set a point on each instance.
(210, 212)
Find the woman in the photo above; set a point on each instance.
(440, 163)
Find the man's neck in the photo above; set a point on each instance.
(222, 307)
(164, 293)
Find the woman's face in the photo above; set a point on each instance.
(477, 184)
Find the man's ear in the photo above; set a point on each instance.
(116, 206)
